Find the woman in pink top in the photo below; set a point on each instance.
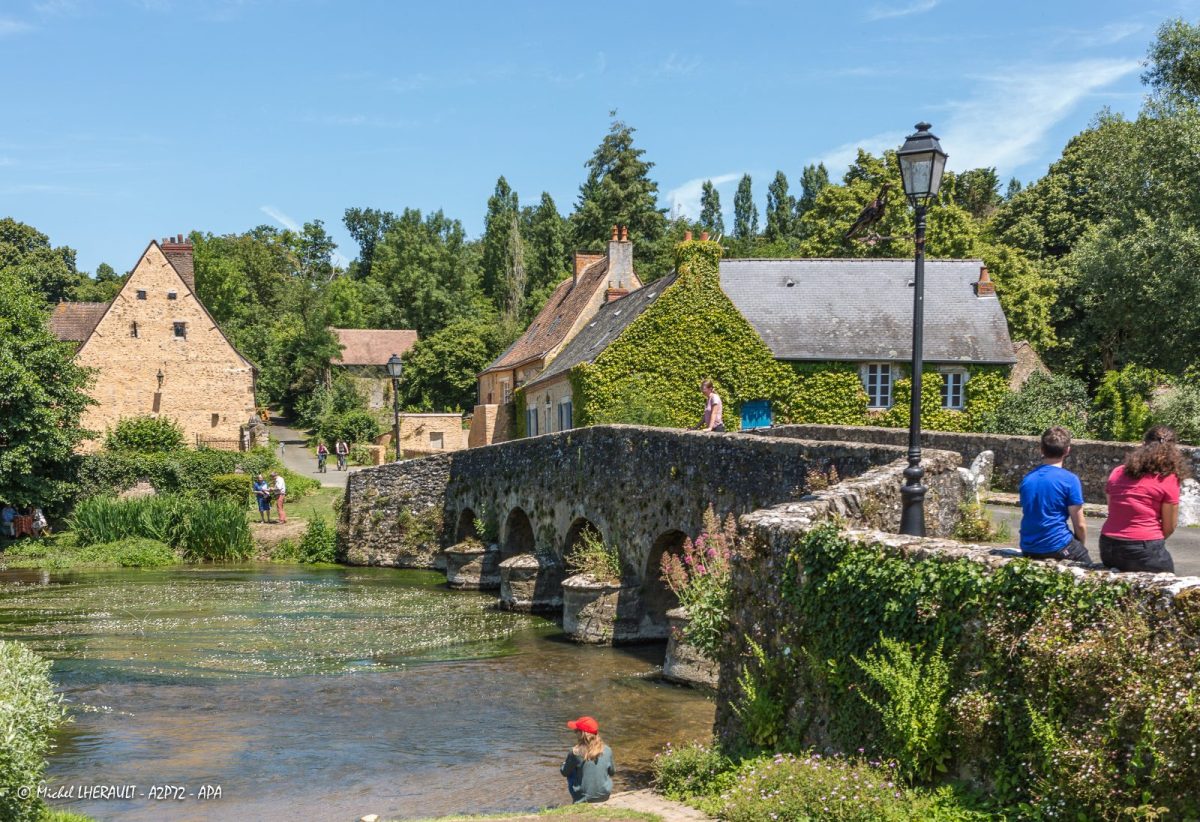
(1143, 505)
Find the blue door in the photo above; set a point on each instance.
(756, 414)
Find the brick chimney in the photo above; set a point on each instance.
(984, 287)
(179, 253)
(582, 260)
(614, 294)
(620, 255)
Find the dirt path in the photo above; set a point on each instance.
(297, 458)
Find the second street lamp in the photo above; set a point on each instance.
(922, 162)
(395, 367)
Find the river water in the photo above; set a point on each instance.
(324, 694)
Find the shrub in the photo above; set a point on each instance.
(1120, 410)
(700, 577)
(298, 485)
(29, 712)
(351, 426)
(202, 529)
(233, 487)
(975, 525)
(111, 472)
(1042, 402)
(1180, 409)
(692, 771)
(318, 543)
(145, 435)
(591, 556)
(135, 552)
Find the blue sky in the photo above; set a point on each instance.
(125, 120)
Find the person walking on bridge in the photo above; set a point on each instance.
(714, 409)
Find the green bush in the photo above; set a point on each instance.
(590, 555)
(111, 472)
(298, 485)
(1180, 409)
(204, 530)
(700, 578)
(1121, 410)
(145, 435)
(135, 552)
(692, 771)
(1042, 402)
(30, 710)
(233, 487)
(351, 426)
(318, 543)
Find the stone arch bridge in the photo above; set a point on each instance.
(507, 516)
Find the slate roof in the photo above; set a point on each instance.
(555, 320)
(861, 309)
(75, 322)
(606, 326)
(372, 346)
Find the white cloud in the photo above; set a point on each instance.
(684, 199)
(678, 66)
(839, 158)
(1105, 35)
(281, 218)
(10, 26)
(888, 12)
(1005, 123)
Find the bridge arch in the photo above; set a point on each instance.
(577, 533)
(657, 596)
(518, 534)
(465, 527)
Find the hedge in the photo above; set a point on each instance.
(111, 472)
(29, 712)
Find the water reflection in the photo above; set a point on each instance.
(326, 694)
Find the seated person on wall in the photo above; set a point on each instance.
(1050, 497)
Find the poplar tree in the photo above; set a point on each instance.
(502, 211)
(745, 212)
(710, 208)
(812, 181)
(546, 235)
(780, 206)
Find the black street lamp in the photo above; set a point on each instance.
(395, 368)
(922, 162)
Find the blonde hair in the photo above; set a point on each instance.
(592, 745)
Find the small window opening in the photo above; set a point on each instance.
(141, 295)
(216, 420)
(133, 330)
(181, 330)
(170, 295)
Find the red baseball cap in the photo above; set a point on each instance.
(585, 724)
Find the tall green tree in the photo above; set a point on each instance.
(618, 191)
(441, 370)
(745, 212)
(978, 191)
(547, 232)
(780, 209)
(43, 400)
(1173, 64)
(27, 252)
(710, 209)
(813, 181)
(503, 210)
(367, 226)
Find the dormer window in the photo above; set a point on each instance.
(141, 295)
(180, 331)
(170, 295)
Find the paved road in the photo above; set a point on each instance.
(297, 458)
(1184, 544)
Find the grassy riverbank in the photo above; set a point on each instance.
(571, 813)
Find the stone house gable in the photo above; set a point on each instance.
(156, 325)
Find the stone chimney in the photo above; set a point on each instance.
(620, 256)
(984, 287)
(614, 294)
(179, 253)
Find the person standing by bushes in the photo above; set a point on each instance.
(279, 489)
(342, 450)
(1050, 497)
(262, 494)
(589, 765)
(1143, 505)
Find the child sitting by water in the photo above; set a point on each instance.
(589, 765)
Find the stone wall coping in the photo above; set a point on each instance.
(526, 561)
(587, 582)
(470, 548)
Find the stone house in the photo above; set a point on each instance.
(365, 352)
(596, 279)
(157, 351)
(425, 434)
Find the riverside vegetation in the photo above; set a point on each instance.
(1062, 698)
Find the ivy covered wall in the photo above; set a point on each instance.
(652, 372)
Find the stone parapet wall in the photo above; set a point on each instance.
(1092, 460)
(395, 515)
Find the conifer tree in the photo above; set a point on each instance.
(618, 191)
(503, 208)
(745, 212)
(546, 235)
(780, 207)
(812, 180)
(710, 208)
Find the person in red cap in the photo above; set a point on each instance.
(589, 766)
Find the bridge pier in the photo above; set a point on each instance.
(473, 566)
(605, 613)
(531, 583)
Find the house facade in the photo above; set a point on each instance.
(364, 355)
(156, 350)
(596, 279)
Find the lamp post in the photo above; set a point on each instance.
(395, 368)
(922, 162)
(159, 376)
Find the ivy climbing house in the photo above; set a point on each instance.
(641, 358)
(844, 327)
(596, 279)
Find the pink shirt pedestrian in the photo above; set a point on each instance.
(1135, 506)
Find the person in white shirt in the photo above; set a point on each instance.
(713, 409)
(280, 494)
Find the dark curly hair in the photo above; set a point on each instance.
(1158, 454)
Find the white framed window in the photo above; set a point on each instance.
(531, 422)
(954, 389)
(877, 380)
(565, 414)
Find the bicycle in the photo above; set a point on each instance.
(321, 463)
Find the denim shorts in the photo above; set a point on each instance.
(1073, 551)
(1136, 555)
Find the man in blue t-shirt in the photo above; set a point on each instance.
(1050, 496)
